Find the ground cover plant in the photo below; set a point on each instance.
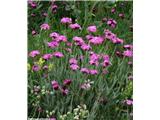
(80, 60)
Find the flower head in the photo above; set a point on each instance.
(92, 28)
(73, 61)
(45, 26)
(75, 26)
(58, 54)
(67, 82)
(66, 20)
(128, 53)
(55, 85)
(34, 53)
(47, 56)
(35, 68)
(74, 67)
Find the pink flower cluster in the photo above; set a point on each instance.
(63, 88)
(128, 102)
(112, 23)
(75, 26)
(92, 29)
(56, 39)
(49, 56)
(112, 37)
(80, 42)
(89, 71)
(73, 64)
(32, 4)
(34, 53)
(68, 21)
(94, 58)
(45, 26)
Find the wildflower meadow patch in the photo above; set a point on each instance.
(80, 60)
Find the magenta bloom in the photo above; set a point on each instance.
(79, 41)
(93, 72)
(73, 61)
(47, 56)
(34, 32)
(74, 67)
(62, 38)
(106, 61)
(128, 102)
(58, 54)
(45, 26)
(94, 58)
(53, 44)
(54, 35)
(128, 53)
(88, 37)
(85, 70)
(32, 4)
(121, 15)
(66, 20)
(55, 85)
(112, 23)
(128, 46)
(34, 53)
(96, 40)
(64, 91)
(75, 26)
(67, 82)
(86, 47)
(113, 10)
(35, 68)
(92, 28)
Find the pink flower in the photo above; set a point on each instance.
(92, 28)
(45, 26)
(129, 102)
(58, 54)
(88, 37)
(121, 15)
(62, 38)
(79, 41)
(86, 47)
(112, 23)
(54, 35)
(96, 40)
(94, 58)
(64, 91)
(69, 44)
(34, 53)
(93, 72)
(75, 26)
(53, 44)
(47, 56)
(55, 85)
(73, 61)
(67, 82)
(74, 67)
(84, 70)
(66, 20)
(35, 68)
(34, 32)
(32, 4)
(113, 10)
(128, 53)
(128, 46)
